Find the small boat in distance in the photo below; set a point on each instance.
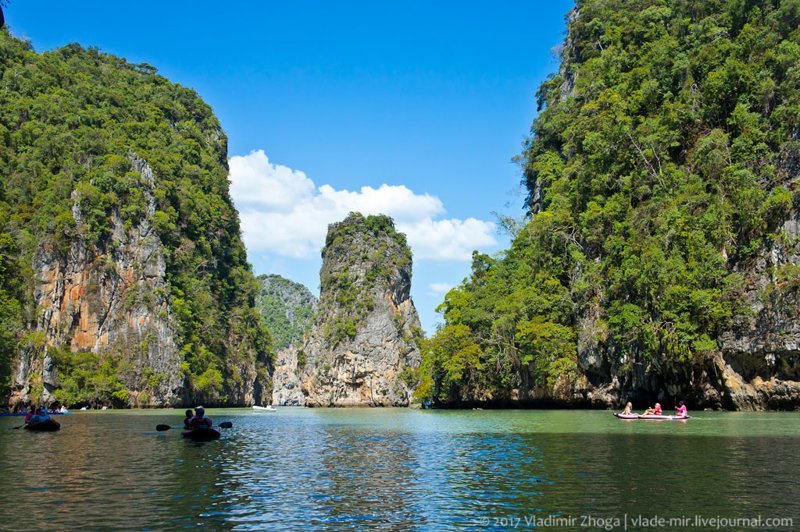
(650, 416)
(268, 408)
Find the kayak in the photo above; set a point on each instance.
(201, 434)
(48, 425)
(649, 416)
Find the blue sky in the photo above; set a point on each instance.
(410, 108)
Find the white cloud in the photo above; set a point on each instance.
(439, 289)
(257, 183)
(451, 239)
(283, 212)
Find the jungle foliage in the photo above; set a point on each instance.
(70, 121)
(288, 309)
(662, 162)
(368, 252)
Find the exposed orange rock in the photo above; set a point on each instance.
(87, 306)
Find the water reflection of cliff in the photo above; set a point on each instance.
(370, 478)
(325, 469)
(103, 471)
(300, 476)
(469, 479)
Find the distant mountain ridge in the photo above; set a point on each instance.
(287, 307)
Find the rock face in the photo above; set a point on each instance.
(760, 362)
(109, 299)
(757, 366)
(288, 309)
(363, 346)
(287, 389)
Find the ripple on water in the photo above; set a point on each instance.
(301, 469)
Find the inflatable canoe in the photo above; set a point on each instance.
(201, 434)
(48, 425)
(649, 416)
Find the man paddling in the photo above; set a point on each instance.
(200, 420)
(40, 417)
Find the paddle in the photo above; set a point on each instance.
(20, 426)
(223, 425)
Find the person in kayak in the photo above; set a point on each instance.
(187, 421)
(628, 409)
(200, 420)
(655, 411)
(681, 410)
(39, 417)
(30, 414)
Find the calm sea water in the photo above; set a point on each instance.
(403, 469)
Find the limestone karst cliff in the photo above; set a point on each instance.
(111, 299)
(364, 344)
(122, 250)
(659, 258)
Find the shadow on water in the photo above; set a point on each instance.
(406, 470)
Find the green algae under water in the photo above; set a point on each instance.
(403, 469)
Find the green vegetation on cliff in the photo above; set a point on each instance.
(287, 308)
(10, 300)
(376, 252)
(662, 164)
(70, 122)
(363, 348)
